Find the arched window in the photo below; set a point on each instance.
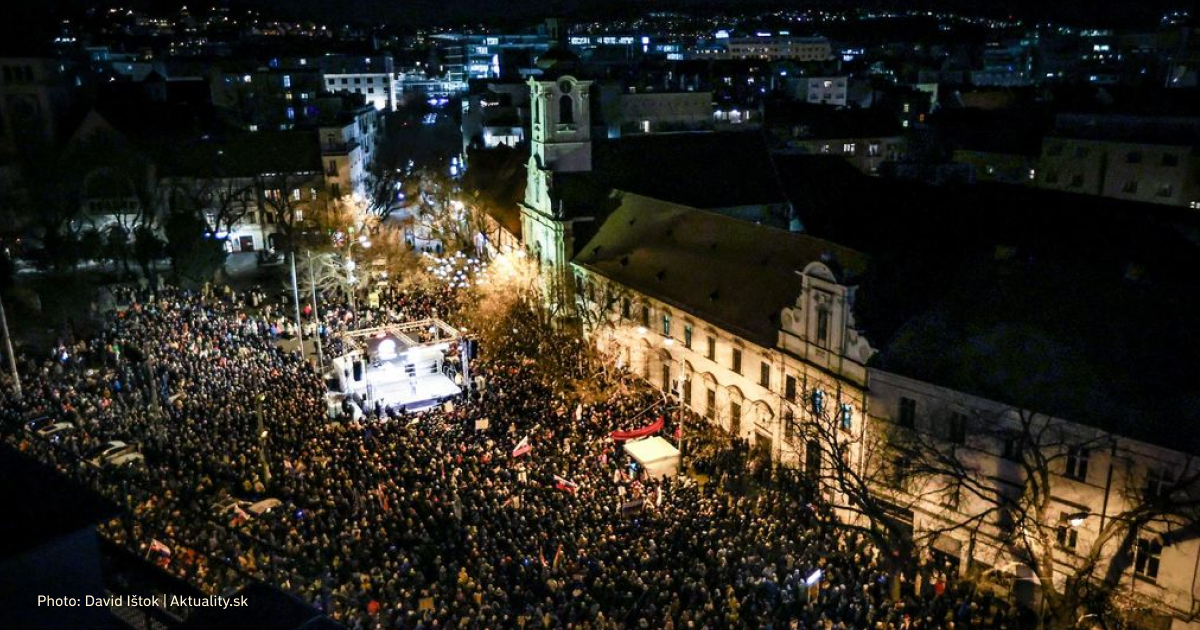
(566, 110)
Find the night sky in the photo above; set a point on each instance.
(1083, 12)
(1111, 11)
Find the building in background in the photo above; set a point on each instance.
(1134, 158)
(766, 46)
(372, 77)
(827, 90)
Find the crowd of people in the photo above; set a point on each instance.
(397, 520)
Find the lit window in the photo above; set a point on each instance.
(818, 402)
(847, 416)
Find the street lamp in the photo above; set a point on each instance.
(262, 437)
(12, 358)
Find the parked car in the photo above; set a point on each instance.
(37, 423)
(49, 429)
(115, 453)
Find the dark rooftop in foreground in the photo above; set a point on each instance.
(30, 520)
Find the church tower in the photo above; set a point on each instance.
(561, 143)
(562, 132)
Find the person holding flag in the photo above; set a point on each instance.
(523, 447)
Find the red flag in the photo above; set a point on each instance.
(567, 485)
(523, 447)
(159, 548)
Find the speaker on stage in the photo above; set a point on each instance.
(358, 370)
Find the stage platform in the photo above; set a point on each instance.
(412, 394)
(401, 366)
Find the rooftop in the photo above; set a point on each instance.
(730, 272)
(1168, 130)
(703, 170)
(29, 520)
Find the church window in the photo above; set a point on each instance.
(566, 110)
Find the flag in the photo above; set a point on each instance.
(383, 501)
(562, 483)
(523, 447)
(239, 516)
(159, 548)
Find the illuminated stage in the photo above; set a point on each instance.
(408, 366)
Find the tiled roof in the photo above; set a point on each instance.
(729, 272)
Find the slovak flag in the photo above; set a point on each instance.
(562, 483)
(159, 548)
(522, 447)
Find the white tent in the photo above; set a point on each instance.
(655, 455)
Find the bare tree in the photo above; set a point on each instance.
(1008, 474)
(854, 470)
(288, 200)
(223, 202)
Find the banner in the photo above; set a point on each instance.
(623, 436)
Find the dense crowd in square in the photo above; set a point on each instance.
(401, 520)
